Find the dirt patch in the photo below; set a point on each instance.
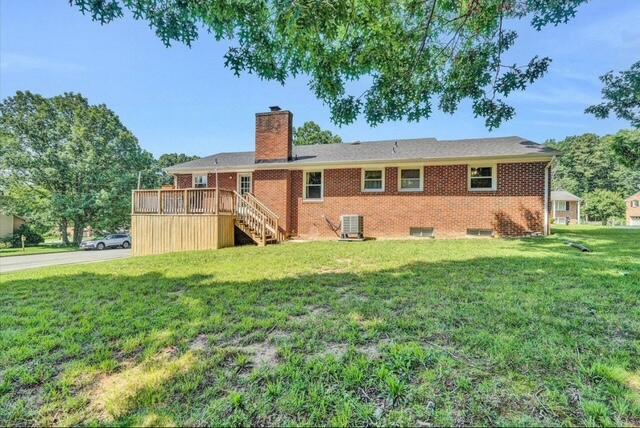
(336, 350)
(263, 354)
(200, 344)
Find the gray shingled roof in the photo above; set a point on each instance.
(419, 149)
(563, 195)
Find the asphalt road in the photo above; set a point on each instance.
(16, 263)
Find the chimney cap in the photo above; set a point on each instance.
(274, 108)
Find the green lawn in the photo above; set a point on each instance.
(39, 249)
(460, 332)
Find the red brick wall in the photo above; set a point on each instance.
(273, 136)
(183, 181)
(273, 187)
(228, 180)
(515, 208)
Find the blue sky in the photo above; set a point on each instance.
(181, 99)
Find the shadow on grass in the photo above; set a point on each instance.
(509, 327)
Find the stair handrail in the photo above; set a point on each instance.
(252, 198)
(267, 218)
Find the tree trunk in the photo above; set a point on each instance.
(63, 232)
(78, 229)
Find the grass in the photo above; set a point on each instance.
(38, 249)
(466, 332)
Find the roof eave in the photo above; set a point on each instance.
(540, 157)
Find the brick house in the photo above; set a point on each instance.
(565, 208)
(457, 188)
(633, 210)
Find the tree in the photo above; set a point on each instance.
(80, 155)
(626, 144)
(418, 55)
(169, 159)
(588, 162)
(621, 94)
(603, 205)
(311, 133)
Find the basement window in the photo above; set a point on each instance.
(480, 232)
(421, 232)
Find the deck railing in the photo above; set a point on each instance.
(258, 220)
(183, 201)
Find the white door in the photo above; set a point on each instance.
(244, 183)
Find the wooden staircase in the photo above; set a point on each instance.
(256, 220)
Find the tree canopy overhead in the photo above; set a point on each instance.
(621, 94)
(420, 55)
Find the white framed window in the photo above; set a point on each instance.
(313, 186)
(373, 180)
(410, 179)
(200, 180)
(244, 183)
(562, 205)
(482, 177)
(635, 204)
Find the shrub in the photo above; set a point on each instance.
(32, 237)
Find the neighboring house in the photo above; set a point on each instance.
(565, 207)
(9, 224)
(633, 210)
(487, 186)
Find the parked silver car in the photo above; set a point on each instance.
(110, 241)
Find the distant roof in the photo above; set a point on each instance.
(563, 195)
(419, 149)
(634, 196)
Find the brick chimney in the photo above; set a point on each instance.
(274, 135)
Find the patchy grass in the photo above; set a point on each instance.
(467, 332)
(38, 249)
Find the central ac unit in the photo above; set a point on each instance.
(352, 226)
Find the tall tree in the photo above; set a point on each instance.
(311, 133)
(418, 55)
(81, 154)
(589, 162)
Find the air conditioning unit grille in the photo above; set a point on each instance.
(352, 226)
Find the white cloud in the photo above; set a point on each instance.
(10, 62)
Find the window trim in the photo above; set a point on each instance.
(635, 203)
(494, 177)
(199, 174)
(566, 208)
(362, 180)
(304, 186)
(239, 179)
(414, 189)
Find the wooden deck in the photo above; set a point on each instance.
(165, 221)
